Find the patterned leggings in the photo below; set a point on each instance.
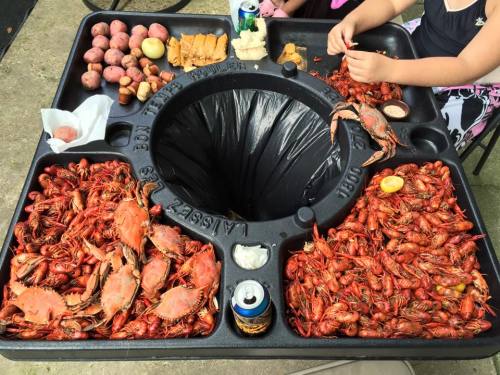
(466, 109)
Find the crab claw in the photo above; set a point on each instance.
(377, 155)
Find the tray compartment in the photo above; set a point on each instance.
(70, 92)
(389, 37)
(485, 254)
(94, 157)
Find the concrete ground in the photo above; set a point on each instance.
(29, 74)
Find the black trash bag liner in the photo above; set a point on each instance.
(246, 154)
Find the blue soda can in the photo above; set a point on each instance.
(252, 310)
(248, 12)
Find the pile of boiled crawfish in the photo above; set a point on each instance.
(358, 92)
(92, 262)
(400, 265)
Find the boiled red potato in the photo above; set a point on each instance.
(65, 133)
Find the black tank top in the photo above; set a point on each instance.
(444, 33)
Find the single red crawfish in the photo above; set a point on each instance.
(444, 332)
(427, 267)
(368, 322)
(450, 305)
(392, 233)
(479, 282)
(317, 308)
(418, 238)
(349, 329)
(442, 260)
(424, 305)
(390, 264)
(467, 307)
(458, 226)
(347, 316)
(468, 263)
(446, 281)
(432, 218)
(408, 328)
(333, 309)
(303, 328)
(387, 285)
(328, 328)
(362, 216)
(406, 169)
(371, 333)
(366, 262)
(354, 226)
(380, 316)
(372, 221)
(408, 283)
(320, 243)
(405, 258)
(467, 248)
(347, 279)
(392, 245)
(119, 320)
(439, 238)
(398, 301)
(415, 315)
(338, 265)
(477, 326)
(373, 281)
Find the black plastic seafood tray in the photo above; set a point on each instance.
(133, 135)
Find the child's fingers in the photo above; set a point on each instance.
(354, 63)
(357, 55)
(333, 43)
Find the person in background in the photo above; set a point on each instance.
(307, 8)
(458, 45)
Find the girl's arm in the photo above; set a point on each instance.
(291, 6)
(479, 57)
(373, 13)
(370, 14)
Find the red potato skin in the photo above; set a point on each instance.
(113, 56)
(93, 55)
(96, 67)
(112, 74)
(65, 133)
(100, 41)
(101, 28)
(119, 41)
(158, 31)
(140, 30)
(135, 41)
(129, 61)
(117, 26)
(135, 74)
(91, 80)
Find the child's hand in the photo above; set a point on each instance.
(369, 66)
(340, 35)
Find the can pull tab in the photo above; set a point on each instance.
(249, 297)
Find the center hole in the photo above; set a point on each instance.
(245, 154)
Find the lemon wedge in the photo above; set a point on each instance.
(391, 184)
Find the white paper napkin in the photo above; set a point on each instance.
(89, 121)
